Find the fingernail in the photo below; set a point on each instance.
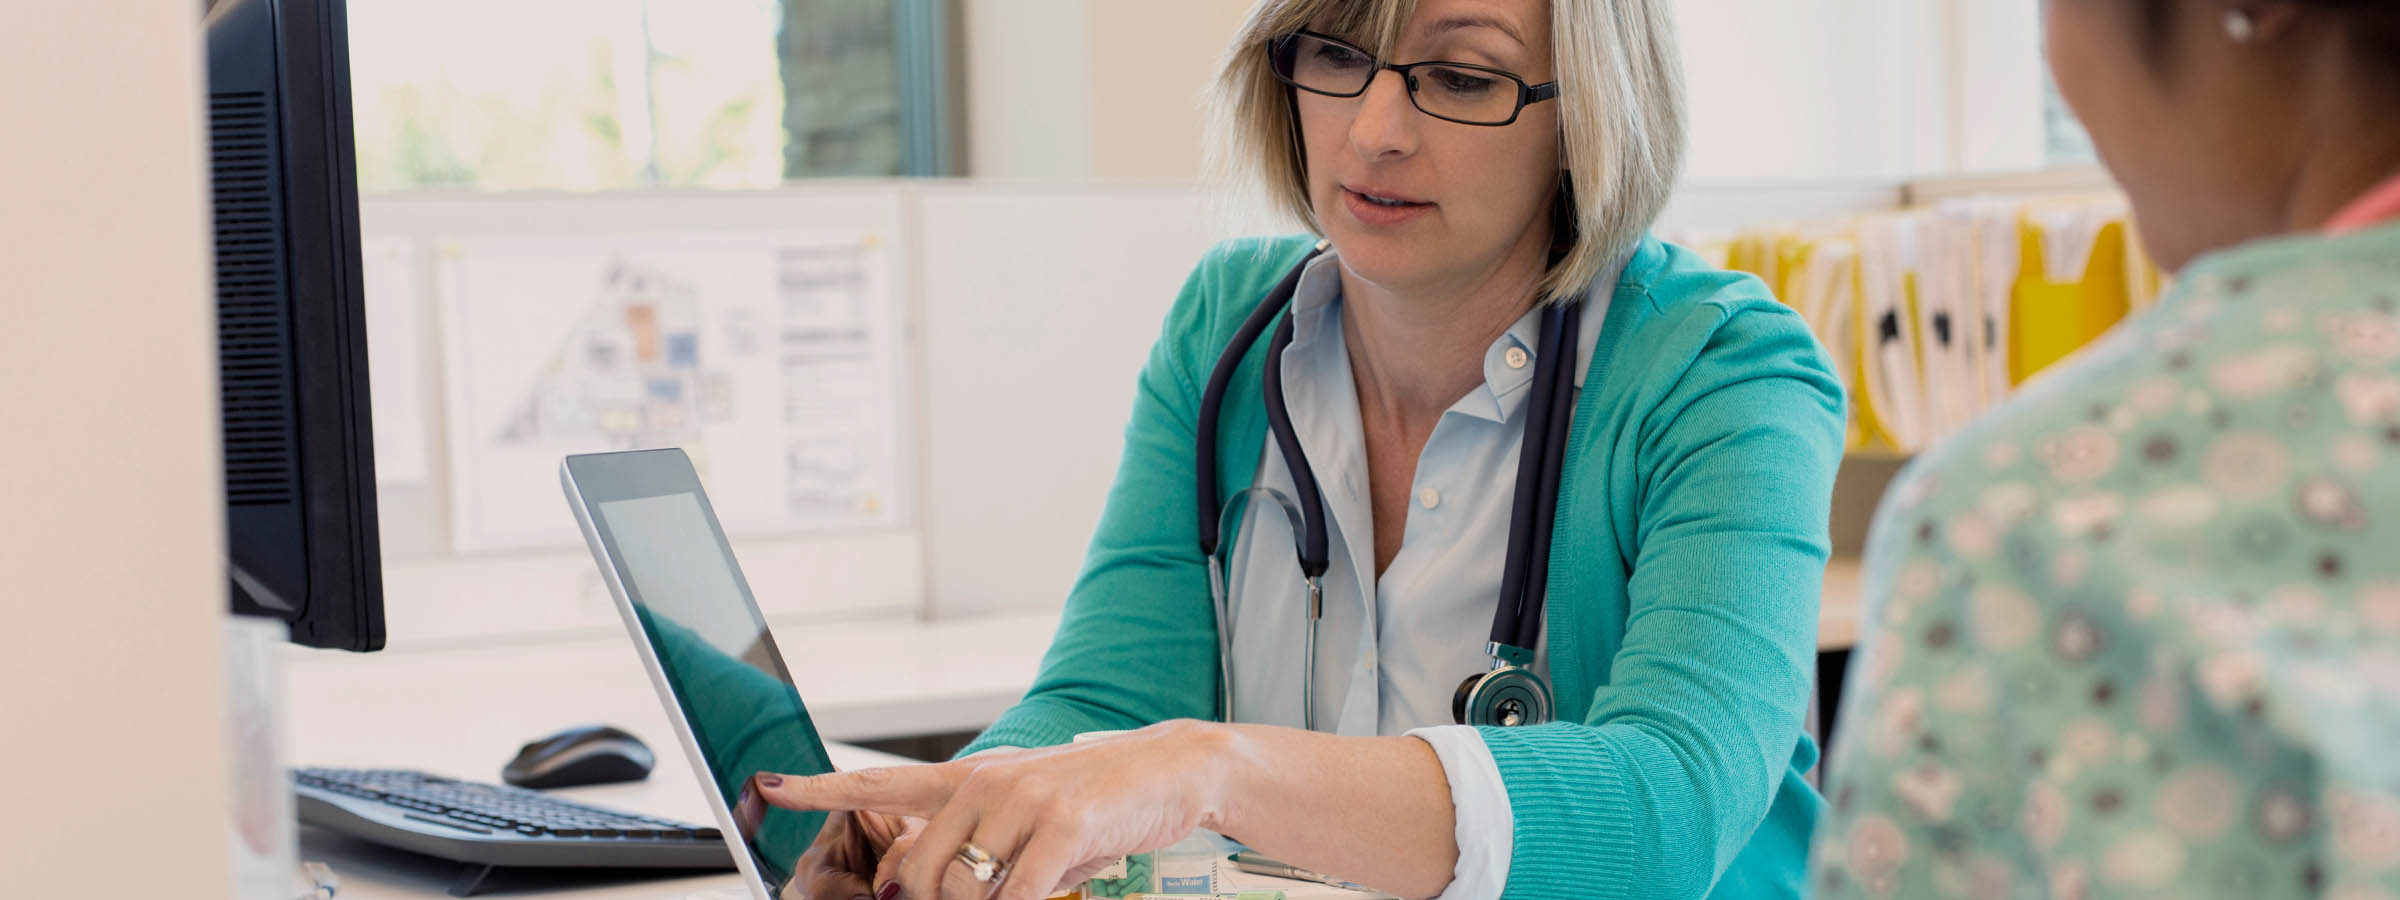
(891, 891)
(770, 779)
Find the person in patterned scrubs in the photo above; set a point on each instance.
(2137, 633)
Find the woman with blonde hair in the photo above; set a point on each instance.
(2138, 632)
(1478, 399)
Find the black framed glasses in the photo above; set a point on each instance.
(1451, 91)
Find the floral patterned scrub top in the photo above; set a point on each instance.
(2138, 633)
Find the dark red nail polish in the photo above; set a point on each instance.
(890, 892)
(770, 779)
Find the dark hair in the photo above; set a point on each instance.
(2372, 26)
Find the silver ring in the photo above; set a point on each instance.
(981, 864)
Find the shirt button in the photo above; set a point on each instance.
(1516, 357)
(1429, 498)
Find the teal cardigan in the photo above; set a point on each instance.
(1687, 560)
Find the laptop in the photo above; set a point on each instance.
(707, 648)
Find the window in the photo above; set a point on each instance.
(610, 94)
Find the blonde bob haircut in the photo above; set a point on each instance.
(1620, 117)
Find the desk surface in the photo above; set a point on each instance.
(463, 713)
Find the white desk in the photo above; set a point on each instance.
(464, 713)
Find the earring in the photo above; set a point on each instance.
(2239, 26)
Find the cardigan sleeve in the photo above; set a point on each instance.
(1137, 643)
(1679, 757)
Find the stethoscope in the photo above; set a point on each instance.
(1509, 693)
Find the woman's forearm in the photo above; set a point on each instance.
(1372, 810)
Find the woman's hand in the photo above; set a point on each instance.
(1052, 817)
(854, 853)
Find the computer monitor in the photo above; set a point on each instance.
(291, 322)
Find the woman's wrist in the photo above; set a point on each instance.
(1351, 806)
(1226, 754)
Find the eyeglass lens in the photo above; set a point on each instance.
(1460, 93)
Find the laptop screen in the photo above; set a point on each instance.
(700, 620)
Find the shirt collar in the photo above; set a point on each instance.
(1505, 387)
(1316, 307)
(1316, 299)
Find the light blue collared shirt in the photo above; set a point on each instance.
(1392, 650)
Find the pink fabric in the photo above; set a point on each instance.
(2373, 208)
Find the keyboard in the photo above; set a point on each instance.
(489, 825)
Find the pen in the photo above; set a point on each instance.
(1257, 864)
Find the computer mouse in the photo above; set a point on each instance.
(593, 754)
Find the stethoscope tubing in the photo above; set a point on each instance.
(1517, 617)
(1212, 400)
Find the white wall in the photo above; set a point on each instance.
(110, 564)
(1151, 67)
(1042, 302)
(1813, 88)
(1779, 89)
(1080, 88)
(1998, 83)
(1028, 87)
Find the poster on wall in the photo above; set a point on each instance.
(771, 357)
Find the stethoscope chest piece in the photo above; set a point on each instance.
(1508, 695)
